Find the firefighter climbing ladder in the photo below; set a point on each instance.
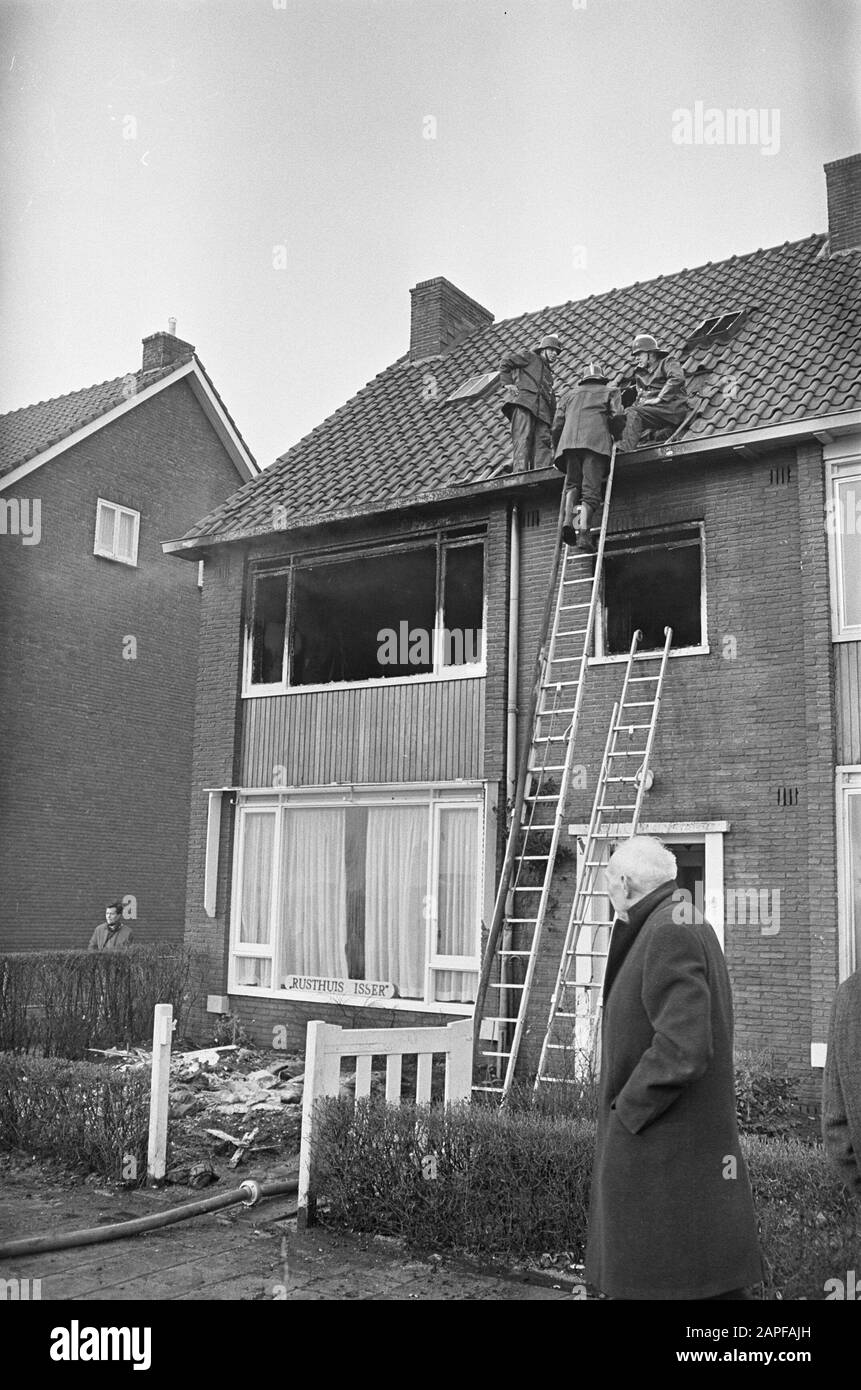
(520, 909)
(575, 1005)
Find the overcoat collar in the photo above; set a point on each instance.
(624, 933)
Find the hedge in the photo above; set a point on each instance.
(76, 1112)
(514, 1183)
(61, 1003)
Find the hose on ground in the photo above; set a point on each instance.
(248, 1193)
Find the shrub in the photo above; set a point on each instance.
(503, 1182)
(76, 1112)
(516, 1182)
(61, 1003)
(810, 1227)
(766, 1099)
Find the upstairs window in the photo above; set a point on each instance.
(843, 524)
(116, 532)
(412, 611)
(651, 582)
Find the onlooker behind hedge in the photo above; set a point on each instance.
(841, 1085)
(113, 934)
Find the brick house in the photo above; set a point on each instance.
(99, 634)
(349, 793)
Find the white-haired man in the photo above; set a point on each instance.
(671, 1210)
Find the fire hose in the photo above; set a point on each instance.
(249, 1193)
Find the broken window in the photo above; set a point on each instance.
(380, 892)
(407, 612)
(717, 328)
(652, 584)
(474, 388)
(268, 628)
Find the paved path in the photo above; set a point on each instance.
(242, 1253)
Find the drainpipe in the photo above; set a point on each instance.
(511, 730)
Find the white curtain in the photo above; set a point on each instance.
(259, 841)
(313, 898)
(395, 886)
(457, 928)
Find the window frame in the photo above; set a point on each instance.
(649, 540)
(118, 510)
(441, 540)
(473, 796)
(840, 470)
(847, 785)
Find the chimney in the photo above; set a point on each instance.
(160, 349)
(843, 184)
(441, 317)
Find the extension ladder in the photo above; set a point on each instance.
(569, 1040)
(520, 909)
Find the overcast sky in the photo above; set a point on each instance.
(262, 171)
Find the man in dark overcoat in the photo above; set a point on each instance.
(841, 1085)
(587, 418)
(671, 1210)
(530, 402)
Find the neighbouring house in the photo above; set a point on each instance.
(369, 628)
(99, 633)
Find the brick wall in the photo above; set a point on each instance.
(733, 730)
(97, 748)
(738, 724)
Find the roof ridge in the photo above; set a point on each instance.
(64, 395)
(670, 275)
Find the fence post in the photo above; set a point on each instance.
(162, 1034)
(322, 1071)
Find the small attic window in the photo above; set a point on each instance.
(474, 387)
(717, 328)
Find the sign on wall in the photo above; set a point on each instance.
(341, 989)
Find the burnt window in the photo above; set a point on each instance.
(268, 628)
(408, 612)
(652, 583)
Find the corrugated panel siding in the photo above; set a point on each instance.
(848, 695)
(433, 731)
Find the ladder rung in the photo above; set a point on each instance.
(629, 728)
(550, 738)
(533, 856)
(635, 778)
(554, 684)
(551, 767)
(625, 806)
(630, 753)
(635, 679)
(497, 1053)
(515, 889)
(522, 919)
(541, 798)
(635, 704)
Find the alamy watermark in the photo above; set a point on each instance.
(417, 646)
(21, 517)
(711, 125)
(755, 907)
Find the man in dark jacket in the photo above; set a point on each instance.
(671, 1210)
(113, 934)
(530, 402)
(657, 385)
(586, 418)
(841, 1085)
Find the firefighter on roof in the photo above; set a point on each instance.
(530, 402)
(587, 418)
(654, 390)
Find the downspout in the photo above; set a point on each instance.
(511, 729)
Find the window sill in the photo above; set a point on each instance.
(351, 1001)
(456, 673)
(649, 655)
(849, 634)
(117, 559)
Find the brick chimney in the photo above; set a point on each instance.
(843, 184)
(441, 317)
(160, 349)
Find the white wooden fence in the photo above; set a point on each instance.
(325, 1046)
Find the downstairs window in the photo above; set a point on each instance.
(329, 898)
